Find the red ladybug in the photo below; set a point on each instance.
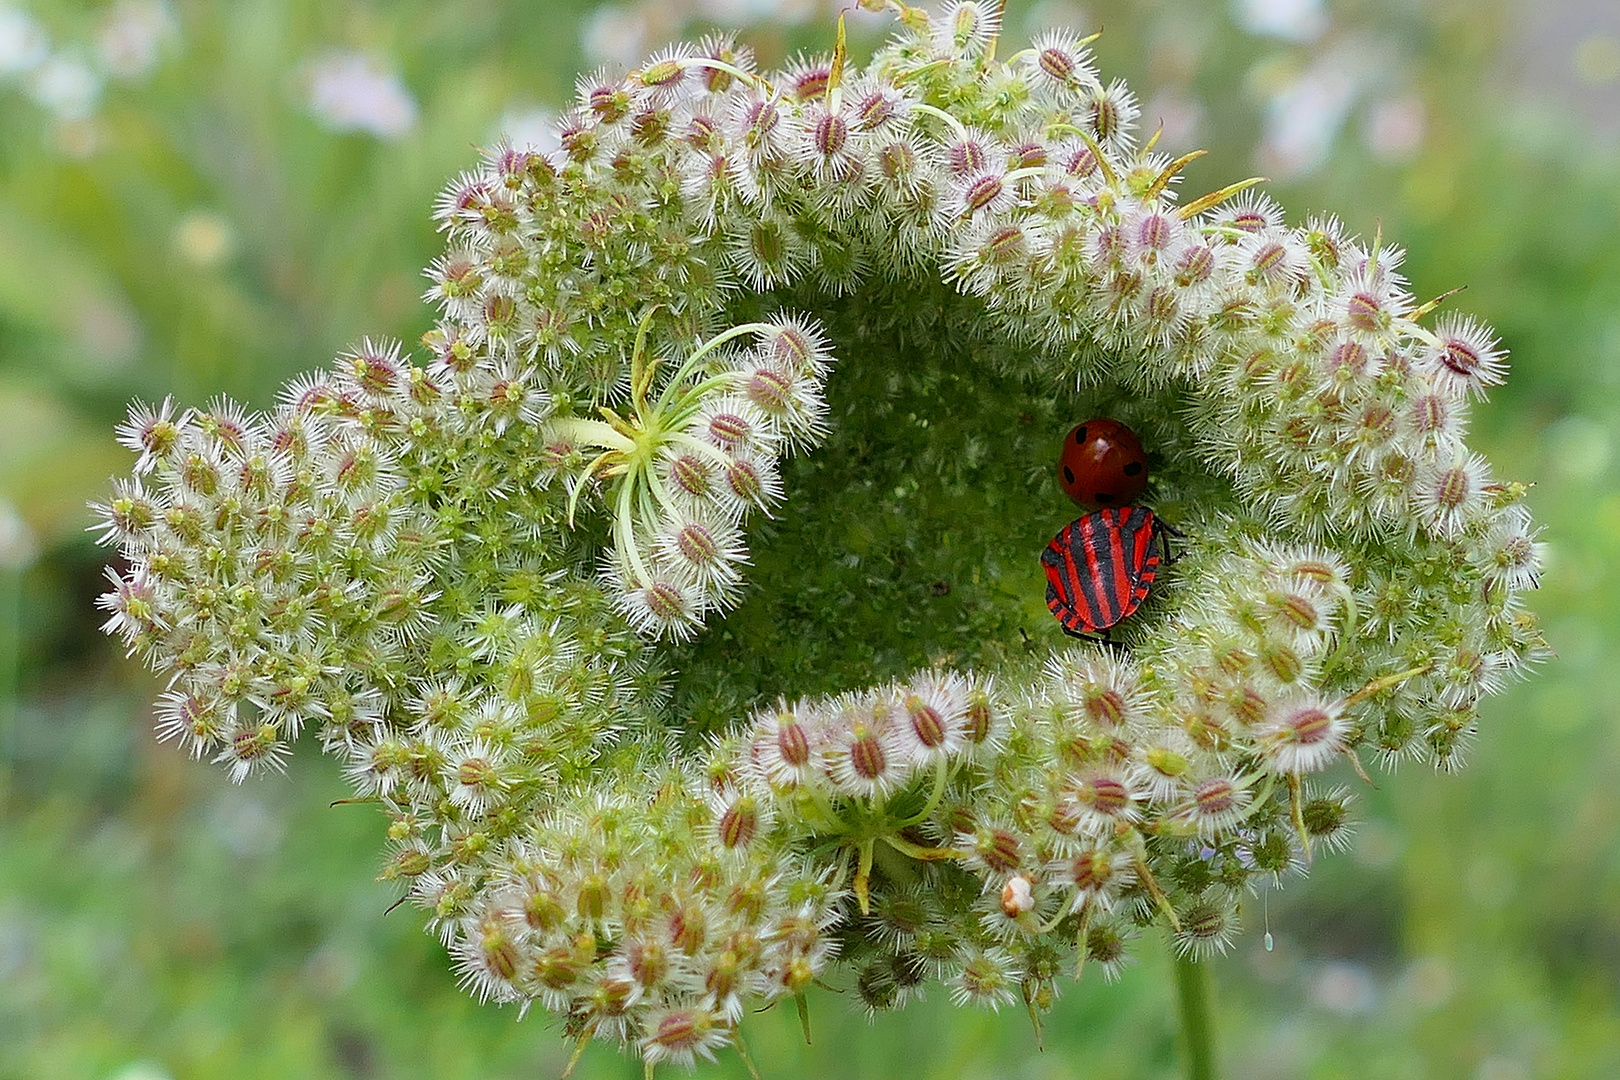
(1103, 465)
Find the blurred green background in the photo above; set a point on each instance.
(199, 198)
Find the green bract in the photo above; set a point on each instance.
(493, 580)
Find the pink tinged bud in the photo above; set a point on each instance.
(1029, 156)
(729, 429)
(680, 1033)
(1348, 356)
(966, 157)
(477, 772)
(647, 961)
(1000, 850)
(702, 132)
(1431, 415)
(791, 346)
(1308, 727)
(650, 126)
(688, 929)
(1195, 266)
(812, 82)
(665, 600)
(1017, 896)
(1105, 795)
(874, 110)
(1154, 232)
(1082, 163)
(793, 744)
(768, 389)
(1004, 244)
(1057, 64)
(1110, 243)
(1366, 313)
(1215, 797)
(1105, 706)
(1454, 488)
(982, 192)
(979, 719)
(1299, 612)
(926, 723)
(1092, 871)
(158, 436)
(1270, 259)
(739, 823)
(897, 161)
(610, 103)
(745, 482)
(1163, 306)
(697, 544)
(1249, 220)
(499, 951)
(1105, 117)
(1377, 423)
(691, 475)
(830, 135)
(1283, 662)
(867, 758)
(761, 118)
(1460, 357)
(1248, 705)
(558, 968)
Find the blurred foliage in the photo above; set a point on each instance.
(201, 232)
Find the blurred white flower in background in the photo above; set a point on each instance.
(108, 330)
(615, 35)
(18, 548)
(66, 86)
(1597, 59)
(24, 45)
(1305, 117)
(1394, 130)
(1344, 988)
(68, 83)
(787, 11)
(623, 34)
(531, 128)
(1057, 13)
(351, 91)
(1181, 115)
(133, 36)
(205, 239)
(1291, 20)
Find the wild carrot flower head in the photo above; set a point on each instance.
(476, 569)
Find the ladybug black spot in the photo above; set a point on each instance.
(1104, 497)
(1079, 435)
(1133, 468)
(1068, 475)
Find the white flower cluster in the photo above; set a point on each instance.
(465, 571)
(692, 463)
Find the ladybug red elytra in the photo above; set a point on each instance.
(1102, 464)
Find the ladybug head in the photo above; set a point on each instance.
(1102, 464)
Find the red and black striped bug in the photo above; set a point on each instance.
(1099, 568)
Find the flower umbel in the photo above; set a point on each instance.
(472, 570)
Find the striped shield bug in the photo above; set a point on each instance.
(1100, 567)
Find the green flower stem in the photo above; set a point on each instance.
(1197, 1027)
